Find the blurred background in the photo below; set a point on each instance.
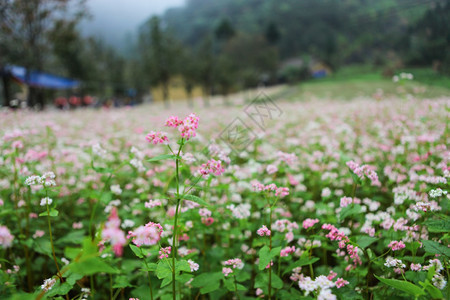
(110, 53)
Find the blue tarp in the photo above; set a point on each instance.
(41, 79)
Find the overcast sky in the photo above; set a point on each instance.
(114, 19)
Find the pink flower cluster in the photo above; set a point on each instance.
(6, 237)
(396, 245)
(146, 235)
(345, 201)
(309, 223)
(263, 231)
(113, 234)
(186, 127)
(286, 251)
(279, 191)
(164, 252)
(344, 242)
(235, 263)
(212, 167)
(157, 138)
(340, 282)
(364, 170)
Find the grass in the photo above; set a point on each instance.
(363, 81)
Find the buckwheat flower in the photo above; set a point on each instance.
(226, 271)
(309, 223)
(436, 263)
(48, 284)
(77, 225)
(193, 265)
(286, 251)
(325, 294)
(65, 261)
(439, 281)
(127, 223)
(173, 121)
(340, 282)
(415, 267)
(46, 201)
(236, 263)
(271, 169)
(204, 212)
(331, 275)
(307, 284)
(152, 203)
(212, 167)
(6, 237)
(393, 262)
(396, 245)
(164, 252)
(188, 127)
(263, 231)
(115, 189)
(345, 201)
(157, 138)
(259, 292)
(282, 191)
(113, 234)
(38, 234)
(146, 235)
(437, 193)
(98, 150)
(33, 180)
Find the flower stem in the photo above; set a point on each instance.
(175, 224)
(51, 242)
(270, 249)
(148, 275)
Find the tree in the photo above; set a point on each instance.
(25, 26)
(159, 51)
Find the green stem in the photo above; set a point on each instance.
(235, 287)
(175, 224)
(270, 249)
(148, 275)
(91, 231)
(51, 242)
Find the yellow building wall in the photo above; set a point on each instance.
(176, 91)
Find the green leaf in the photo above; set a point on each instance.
(182, 265)
(229, 283)
(136, 251)
(163, 270)
(101, 169)
(365, 241)
(206, 280)
(195, 199)
(52, 213)
(434, 291)
(436, 248)
(242, 276)
(92, 265)
(438, 225)
(183, 278)
(404, 286)
(264, 257)
(350, 210)
(164, 157)
(166, 281)
(276, 281)
(122, 282)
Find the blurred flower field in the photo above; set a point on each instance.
(327, 200)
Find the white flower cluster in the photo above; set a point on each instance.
(403, 76)
(437, 193)
(321, 284)
(46, 180)
(48, 284)
(137, 160)
(115, 189)
(393, 262)
(46, 201)
(242, 211)
(98, 150)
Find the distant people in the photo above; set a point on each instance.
(74, 101)
(87, 100)
(61, 102)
